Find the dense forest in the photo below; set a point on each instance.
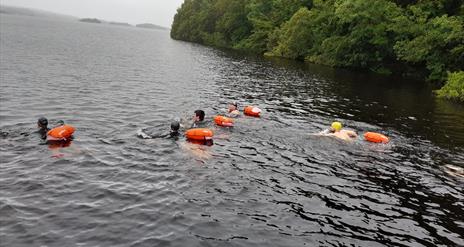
(420, 37)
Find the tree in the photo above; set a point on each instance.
(295, 36)
(366, 34)
(438, 43)
(454, 88)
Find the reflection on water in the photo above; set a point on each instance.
(264, 182)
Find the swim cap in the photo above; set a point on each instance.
(337, 126)
(42, 121)
(175, 126)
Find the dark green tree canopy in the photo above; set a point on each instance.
(377, 35)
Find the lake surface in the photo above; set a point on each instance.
(266, 182)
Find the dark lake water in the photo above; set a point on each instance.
(266, 182)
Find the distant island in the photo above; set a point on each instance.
(90, 20)
(151, 26)
(120, 24)
(12, 10)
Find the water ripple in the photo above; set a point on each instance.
(265, 182)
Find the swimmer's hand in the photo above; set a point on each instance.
(143, 135)
(322, 133)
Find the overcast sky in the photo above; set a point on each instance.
(158, 12)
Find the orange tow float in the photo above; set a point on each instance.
(252, 111)
(61, 133)
(375, 137)
(224, 121)
(199, 134)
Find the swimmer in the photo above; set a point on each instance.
(175, 126)
(233, 110)
(198, 119)
(454, 171)
(336, 130)
(173, 133)
(42, 124)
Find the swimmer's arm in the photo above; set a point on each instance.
(158, 136)
(142, 134)
(322, 133)
(145, 134)
(184, 123)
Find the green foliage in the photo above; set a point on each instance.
(362, 35)
(437, 43)
(294, 39)
(454, 87)
(367, 34)
(266, 16)
(240, 24)
(212, 22)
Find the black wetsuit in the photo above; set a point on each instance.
(174, 134)
(199, 124)
(43, 133)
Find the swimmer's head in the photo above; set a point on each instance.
(199, 115)
(42, 122)
(336, 126)
(233, 106)
(60, 123)
(175, 126)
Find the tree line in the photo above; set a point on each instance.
(423, 37)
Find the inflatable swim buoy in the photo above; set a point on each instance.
(224, 121)
(60, 133)
(376, 137)
(252, 111)
(200, 134)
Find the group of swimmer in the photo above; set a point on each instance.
(198, 133)
(197, 125)
(197, 130)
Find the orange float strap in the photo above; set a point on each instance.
(376, 137)
(199, 134)
(61, 133)
(252, 111)
(224, 121)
